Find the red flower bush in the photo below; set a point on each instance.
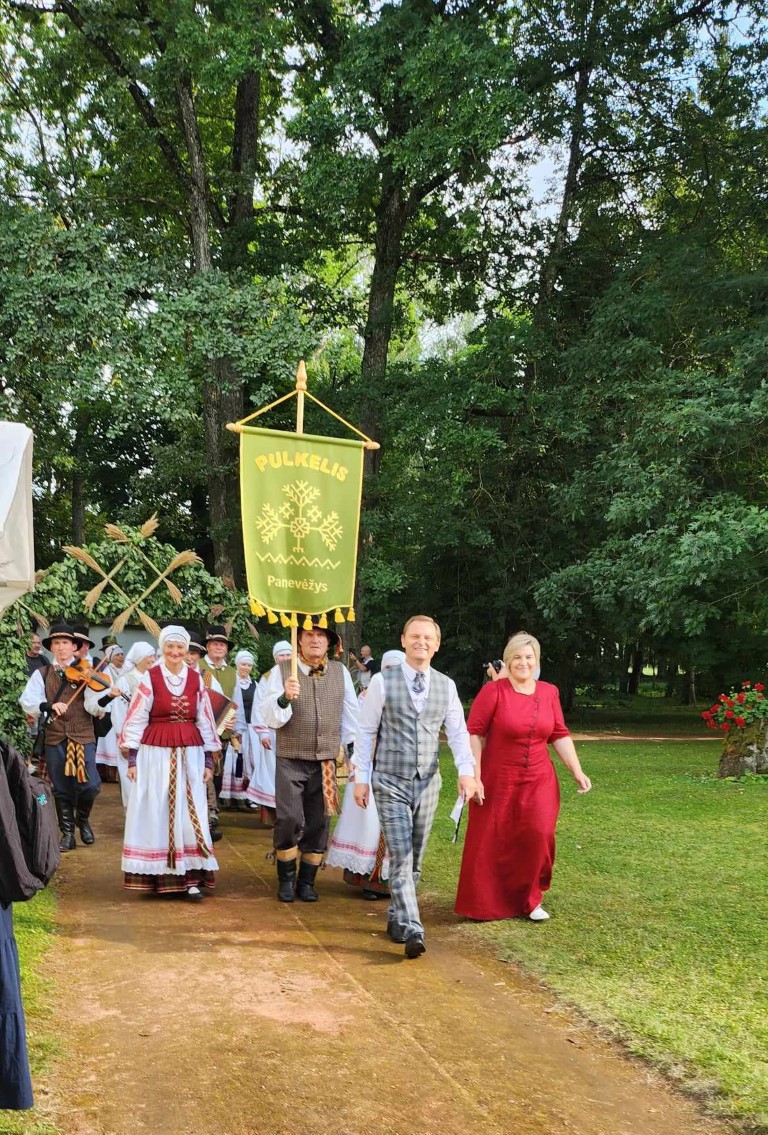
(749, 707)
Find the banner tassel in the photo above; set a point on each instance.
(351, 615)
(307, 624)
(338, 617)
(257, 609)
(284, 620)
(323, 621)
(294, 622)
(271, 616)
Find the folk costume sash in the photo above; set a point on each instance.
(176, 756)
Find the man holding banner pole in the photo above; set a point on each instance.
(300, 502)
(312, 714)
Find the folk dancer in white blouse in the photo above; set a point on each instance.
(138, 660)
(238, 756)
(357, 844)
(171, 742)
(261, 790)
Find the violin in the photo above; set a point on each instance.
(85, 675)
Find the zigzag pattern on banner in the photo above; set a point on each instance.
(297, 561)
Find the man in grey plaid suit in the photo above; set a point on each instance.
(403, 712)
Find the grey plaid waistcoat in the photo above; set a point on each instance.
(408, 741)
(314, 729)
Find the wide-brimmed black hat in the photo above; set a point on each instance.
(109, 640)
(198, 646)
(333, 639)
(80, 632)
(217, 634)
(60, 630)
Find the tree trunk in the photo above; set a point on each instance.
(391, 218)
(688, 689)
(745, 751)
(626, 658)
(78, 508)
(78, 479)
(222, 388)
(633, 683)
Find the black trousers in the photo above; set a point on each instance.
(301, 819)
(69, 787)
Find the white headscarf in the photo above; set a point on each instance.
(281, 647)
(392, 658)
(109, 654)
(243, 656)
(138, 652)
(174, 634)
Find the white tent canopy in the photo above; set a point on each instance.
(17, 553)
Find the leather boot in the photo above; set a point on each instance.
(305, 888)
(286, 877)
(83, 813)
(65, 810)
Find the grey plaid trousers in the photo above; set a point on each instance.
(406, 808)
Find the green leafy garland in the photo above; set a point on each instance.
(61, 592)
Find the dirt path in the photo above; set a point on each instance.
(241, 1015)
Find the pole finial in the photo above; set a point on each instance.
(301, 376)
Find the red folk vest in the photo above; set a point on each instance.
(172, 716)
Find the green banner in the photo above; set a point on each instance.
(301, 514)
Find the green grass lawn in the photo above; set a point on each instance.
(33, 927)
(660, 920)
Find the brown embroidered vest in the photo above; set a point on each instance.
(314, 730)
(76, 724)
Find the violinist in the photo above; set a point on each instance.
(66, 707)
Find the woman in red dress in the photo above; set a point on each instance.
(510, 846)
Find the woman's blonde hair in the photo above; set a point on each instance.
(522, 638)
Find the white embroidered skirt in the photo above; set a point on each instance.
(355, 841)
(147, 826)
(106, 750)
(261, 789)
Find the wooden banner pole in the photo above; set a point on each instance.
(301, 386)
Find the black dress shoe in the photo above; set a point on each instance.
(414, 946)
(394, 932)
(216, 835)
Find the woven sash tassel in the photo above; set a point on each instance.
(330, 789)
(74, 762)
(172, 785)
(381, 852)
(193, 816)
(196, 826)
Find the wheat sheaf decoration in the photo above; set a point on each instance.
(133, 606)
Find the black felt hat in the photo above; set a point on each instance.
(217, 634)
(80, 632)
(333, 639)
(61, 630)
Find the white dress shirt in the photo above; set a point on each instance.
(370, 720)
(276, 717)
(34, 693)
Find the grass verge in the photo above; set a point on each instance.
(659, 918)
(34, 927)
